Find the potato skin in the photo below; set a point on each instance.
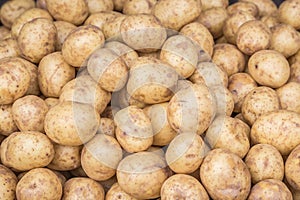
(138, 7)
(9, 48)
(265, 7)
(288, 13)
(7, 125)
(63, 29)
(115, 192)
(287, 95)
(244, 6)
(291, 168)
(8, 183)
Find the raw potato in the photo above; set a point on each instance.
(259, 101)
(278, 128)
(142, 175)
(295, 72)
(41, 4)
(291, 165)
(244, 6)
(229, 133)
(208, 4)
(4, 33)
(134, 7)
(9, 48)
(39, 183)
(95, 6)
(14, 80)
(185, 153)
(182, 186)
(115, 192)
(80, 43)
(71, 123)
(63, 30)
(29, 113)
(8, 183)
(270, 21)
(294, 58)
(122, 99)
(174, 14)
(225, 175)
(289, 12)
(35, 46)
(94, 160)
(288, 94)
(134, 130)
(270, 189)
(73, 11)
(53, 73)
(253, 36)
(225, 101)
(264, 162)
(76, 188)
(261, 68)
(118, 4)
(107, 126)
(51, 102)
(112, 29)
(100, 18)
(265, 7)
(26, 150)
(7, 125)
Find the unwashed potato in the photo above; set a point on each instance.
(134, 7)
(111, 29)
(9, 48)
(289, 12)
(63, 29)
(288, 94)
(142, 175)
(122, 99)
(278, 128)
(39, 183)
(100, 18)
(53, 73)
(71, 123)
(244, 6)
(73, 11)
(8, 183)
(225, 175)
(291, 168)
(264, 162)
(270, 21)
(118, 4)
(95, 6)
(265, 7)
(7, 125)
(174, 14)
(26, 150)
(294, 58)
(182, 186)
(115, 192)
(185, 153)
(4, 33)
(95, 160)
(76, 188)
(295, 72)
(107, 126)
(261, 68)
(225, 101)
(51, 102)
(29, 113)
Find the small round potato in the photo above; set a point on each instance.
(288, 95)
(39, 183)
(289, 12)
(95, 161)
(7, 125)
(142, 175)
(100, 18)
(225, 101)
(96, 6)
(71, 123)
(265, 7)
(8, 182)
(63, 30)
(135, 7)
(116, 192)
(9, 48)
(261, 68)
(76, 188)
(291, 168)
(244, 6)
(107, 127)
(182, 186)
(225, 175)
(26, 150)
(29, 113)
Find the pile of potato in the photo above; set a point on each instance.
(147, 99)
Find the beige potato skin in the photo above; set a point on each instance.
(270, 21)
(39, 183)
(182, 186)
(26, 150)
(8, 183)
(100, 18)
(116, 192)
(291, 168)
(225, 175)
(244, 6)
(225, 101)
(111, 29)
(7, 125)
(138, 7)
(4, 33)
(207, 4)
(295, 72)
(9, 48)
(265, 7)
(95, 6)
(107, 126)
(288, 94)
(63, 29)
(51, 102)
(288, 12)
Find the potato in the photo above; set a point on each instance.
(39, 183)
(265, 7)
(229, 133)
(278, 128)
(94, 160)
(240, 84)
(80, 43)
(261, 68)
(26, 150)
(4, 33)
(73, 11)
(112, 28)
(270, 21)
(65, 158)
(53, 73)
(108, 69)
(9, 48)
(11, 10)
(259, 101)
(157, 150)
(143, 32)
(213, 19)
(95, 6)
(285, 39)
(134, 130)
(185, 153)
(107, 127)
(200, 35)
(294, 58)
(76, 188)
(229, 58)
(29, 113)
(107, 184)
(174, 14)
(295, 72)
(138, 7)
(122, 99)
(100, 18)
(270, 189)
(63, 30)
(71, 123)
(7, 125)
(37, 39)
(163, 134)
(155, 54)
(208, 4)
(108, 112)
(264, 162)
(291, 165)
(142, 175)
(8, 183)
(27, 16)
(85, 90)
(192, 109)
(288, 95)
(14, 80)
(253, 36)
(225, 175)
(118, 4)
(244, 6)
(116, 192)
(233, 23)
(225, 101)
(289, 12)
(156, 84)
